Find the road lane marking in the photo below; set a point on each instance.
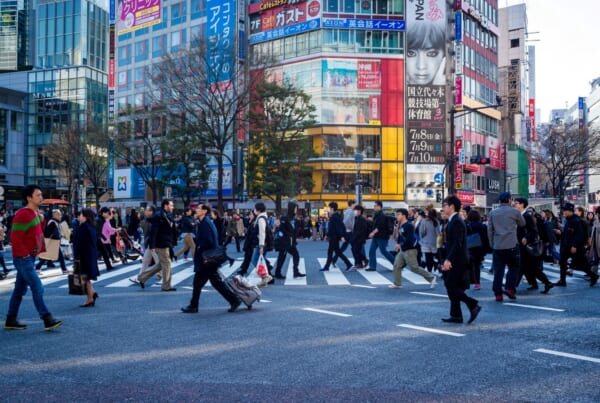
(430, 330)
(429, 294)
(363, 286)
(541, 308)
(374, 278)
(333, 276)
(406, 273)
(289, 275)
(568, 355)
(343, 315)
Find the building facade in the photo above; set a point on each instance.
(67, 86)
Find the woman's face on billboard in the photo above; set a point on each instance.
(422, 65)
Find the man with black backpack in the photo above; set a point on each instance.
(262, 234)
(380, 235)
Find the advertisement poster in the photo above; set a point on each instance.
(220, 31)
(425, 64)
(136, 14)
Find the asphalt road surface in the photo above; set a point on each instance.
(329, 337)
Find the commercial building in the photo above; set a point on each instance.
(67, 84)
(516, 64)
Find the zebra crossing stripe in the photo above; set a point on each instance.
(289, 274)
(374, 278)
(406, 273)
(333, 276)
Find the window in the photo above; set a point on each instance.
(124, 80)
(196, 6)
(514, 43)
(124, 55)
(164, 20)
(178, 13)
(178, 39)
(141, 50)
(159, 45)
(139, 75)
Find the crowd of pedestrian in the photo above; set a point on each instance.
(450, 244)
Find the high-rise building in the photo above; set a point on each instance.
(68, 85)
(515, 74)
(14, 41)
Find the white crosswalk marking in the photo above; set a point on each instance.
(374, 278)
(406, 273)
(333, 276)
(289, 274)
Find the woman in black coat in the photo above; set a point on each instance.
(86, 253)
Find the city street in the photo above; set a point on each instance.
(329, 337)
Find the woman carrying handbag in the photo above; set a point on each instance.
(86, 255)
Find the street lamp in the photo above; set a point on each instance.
(358, 158)
(457, 113)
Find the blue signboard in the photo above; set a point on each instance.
(458, 26)
(111, 18)
(282, 32)
(219, 30)
(359, 23)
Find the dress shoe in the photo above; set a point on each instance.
(189, 309)
(234, 307)
(298, 274)
(95, 296)
(168, 289)
(547, 288)
(359, 266)
(593, 279)
(88, 305)
(474, 312)
(231, 261)
(370, 269)
(324, 269)
(452, 320)
(280, 276)
(510, 294)
(50, 322)
(560, 284)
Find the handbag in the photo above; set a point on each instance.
(214, 257)
(261, 267)
(52, 248)
(535, 249)
(77, 281)
(474, 240)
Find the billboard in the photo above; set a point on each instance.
(425, 67)
(128, 184)
(132, 15)
(283, 16)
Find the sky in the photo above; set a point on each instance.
(567, 51)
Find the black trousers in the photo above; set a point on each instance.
(579, 262)
(531, 268)
(103, 249)
(293, 251)
(237, 241)
(455, 281)
(211, 274)
(334, 249)
(358, 248)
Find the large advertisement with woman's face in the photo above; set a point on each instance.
(425, 65)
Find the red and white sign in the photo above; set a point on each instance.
(532, 118)
(374, 108)
(111, 73)
(458, 91)
(369, 75)
(283, 16)
(465, 197)
(458, 172)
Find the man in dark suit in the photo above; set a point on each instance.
(207, 238)
(335, 232)
(455, 266)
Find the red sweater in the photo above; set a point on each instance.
(27, 236)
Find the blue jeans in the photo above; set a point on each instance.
(26, 276)
(382, 245)
(502, 258)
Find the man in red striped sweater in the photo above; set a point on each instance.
(27, 239)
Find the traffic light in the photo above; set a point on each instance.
(479, 160)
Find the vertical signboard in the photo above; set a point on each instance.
(531, 112)
(458, 174)
(425, 64)
(220, 32)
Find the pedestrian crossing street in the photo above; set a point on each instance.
(183, 272)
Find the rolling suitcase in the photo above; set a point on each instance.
(247, 292)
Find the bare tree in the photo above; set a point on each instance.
(202, 86)
(64, 153)
(279, 146)
(94, 165)
(141, 146)
(566, 150)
